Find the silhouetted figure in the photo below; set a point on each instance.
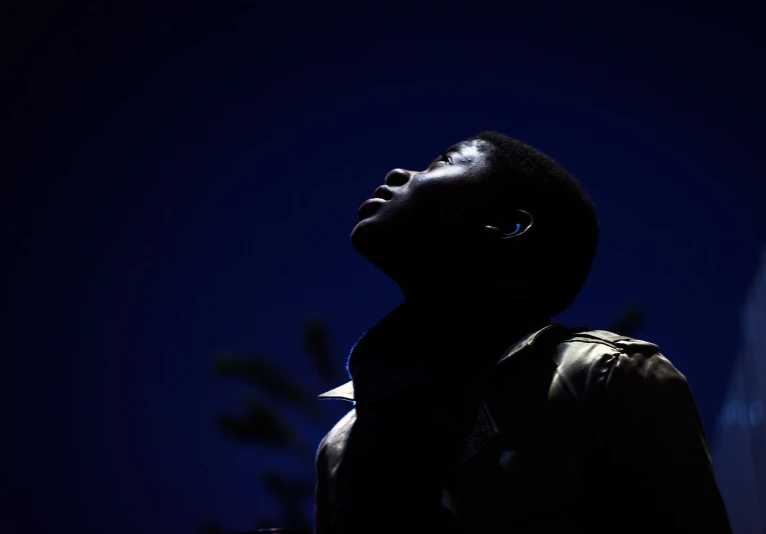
(473, 412)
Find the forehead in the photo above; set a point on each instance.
(470, 149)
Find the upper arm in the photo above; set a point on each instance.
(321, 518)
(660, 475)
(328, 457)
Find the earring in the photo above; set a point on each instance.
(495, 230)
(516, 232)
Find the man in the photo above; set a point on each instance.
(473, 412)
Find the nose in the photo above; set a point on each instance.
(397, 177)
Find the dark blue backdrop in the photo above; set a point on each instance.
(184, 179)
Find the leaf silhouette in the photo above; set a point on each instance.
(259, 425)
(268, 378)
(266, 425)
(629, 322)
(292, 492)
(316, 344)
(287, 488)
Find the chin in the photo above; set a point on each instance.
(369, 240)
(360, 236)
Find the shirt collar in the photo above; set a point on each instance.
(346, 391)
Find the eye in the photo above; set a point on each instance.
(445, 158)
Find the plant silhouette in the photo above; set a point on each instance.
(263, 422)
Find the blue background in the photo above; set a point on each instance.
(181, 179)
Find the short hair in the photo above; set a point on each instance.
(565, 222)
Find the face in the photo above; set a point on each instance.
(423, 222)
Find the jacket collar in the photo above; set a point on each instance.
(346, 391)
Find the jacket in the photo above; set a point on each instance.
(573, 430)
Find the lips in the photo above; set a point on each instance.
(381, 195)
(383, 192)
(369, 207)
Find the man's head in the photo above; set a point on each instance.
(489, 207)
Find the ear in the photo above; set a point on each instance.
(518, 223)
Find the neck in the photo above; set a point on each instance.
(455, 317)
(477, 288)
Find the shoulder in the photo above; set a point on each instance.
(589, 344)
(590, 362)
(333, 443)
